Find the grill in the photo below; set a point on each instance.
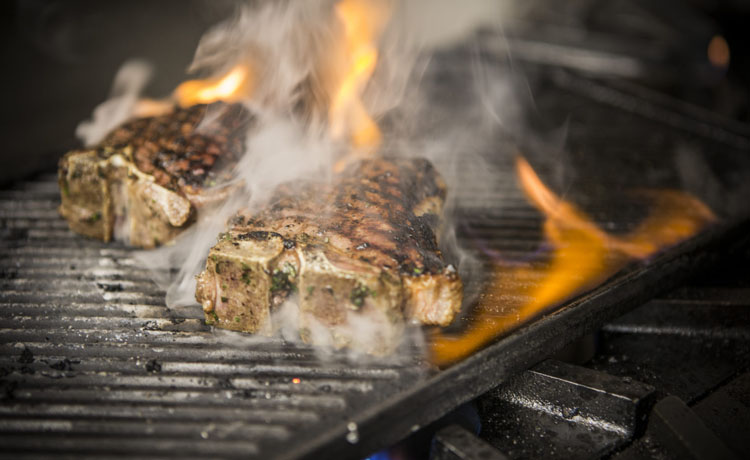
(94, 364)
(689, 400)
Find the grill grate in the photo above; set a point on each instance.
(93, 362)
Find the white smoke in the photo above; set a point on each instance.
(289, 47)
(279, 150)
(126, 91)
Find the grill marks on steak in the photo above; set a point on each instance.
(360, 248)
(383, 213)
(145, 180)
(175, 152)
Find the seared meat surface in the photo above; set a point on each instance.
(144, 182)
(359, 254)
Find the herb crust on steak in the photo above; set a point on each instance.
(359, 253)
(145, 181)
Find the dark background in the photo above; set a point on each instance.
(59, 57)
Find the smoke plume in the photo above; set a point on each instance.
(292, 51)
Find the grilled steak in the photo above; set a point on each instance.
(359, 253)
(144, 182)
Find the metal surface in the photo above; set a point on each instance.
(702, 334)
(732, 399)
(692, 346)
(456, 443)
(485, 369)
(93, 363)
(683, 433)
(558, 410)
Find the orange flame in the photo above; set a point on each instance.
(231, 87)
(362, 22)
(152, 107)
(583, 256)
(718, 51)
(348, 67)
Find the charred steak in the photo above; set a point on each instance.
(145, 181)
(359, 253)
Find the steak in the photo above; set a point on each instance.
(146, 180)
(359, 255)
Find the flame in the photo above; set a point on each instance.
(347, 68)
(718, 52)
(231, 87)
(151, 108)
(362, 22)
(583, 256)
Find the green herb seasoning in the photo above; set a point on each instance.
(282, 279)
(246, 272)
(212, 318)
(358, 295)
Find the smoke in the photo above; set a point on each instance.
(725, 194)
(282, 43)
(294, 152)
(292, 49)
(126, 91)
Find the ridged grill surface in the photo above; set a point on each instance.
(92, 362)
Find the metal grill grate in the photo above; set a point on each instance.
(92, 361)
